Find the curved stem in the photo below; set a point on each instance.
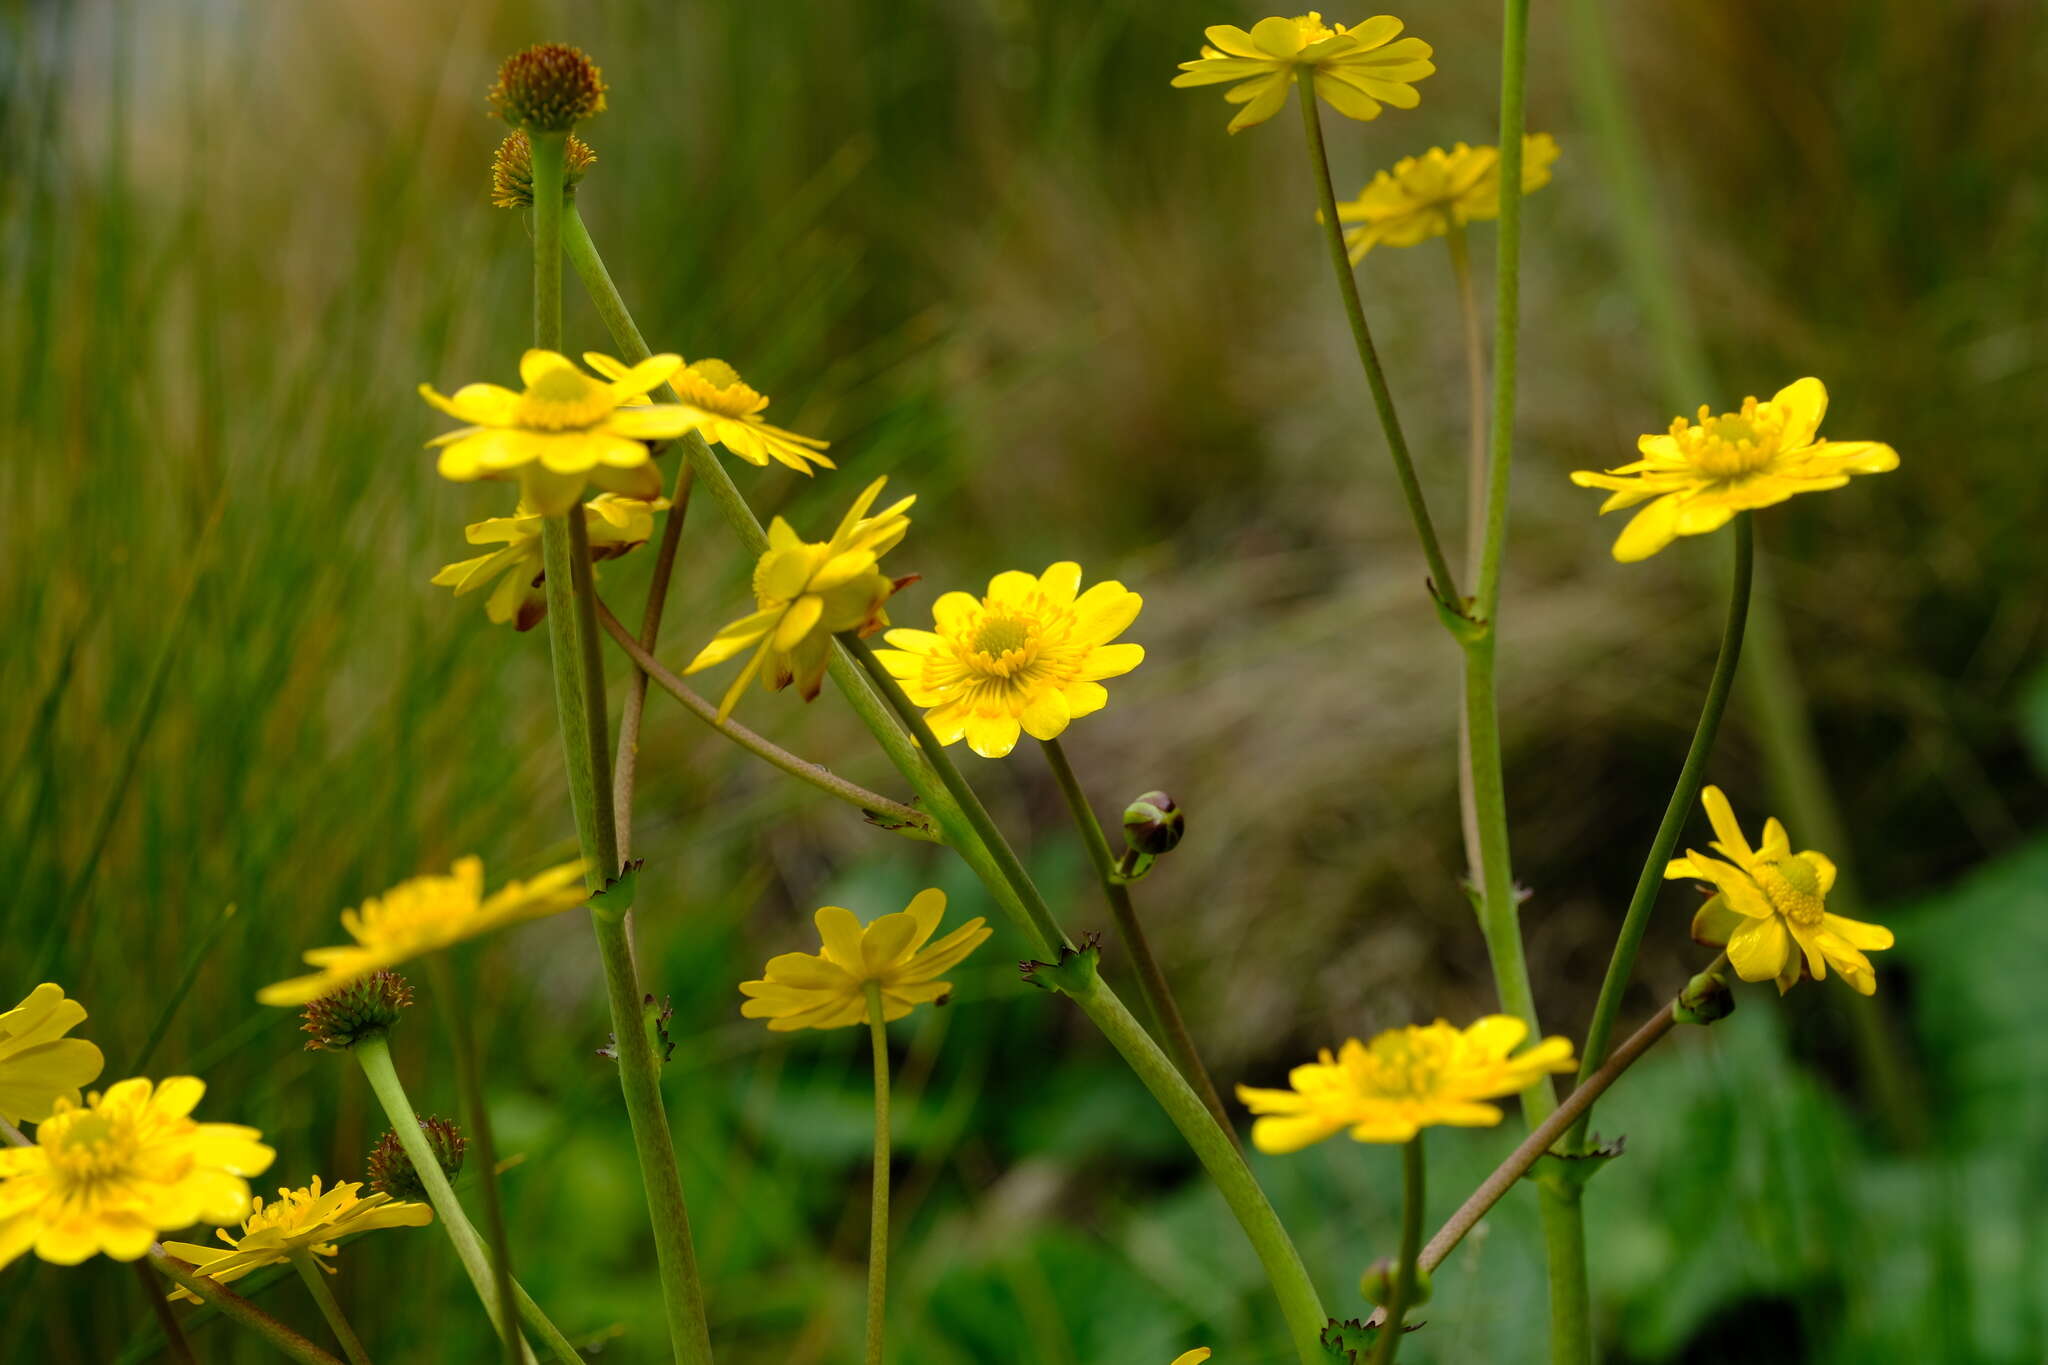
(316, 1285)
(1676, 812)
(469, 1087)
(373, 1055)
(878, 1203)
(179, 1349)
(1411, 1246)
(626, 767)
(880, 810)
(1475, 521)
(1441, 580)
(243, 1312)
(1152, 982)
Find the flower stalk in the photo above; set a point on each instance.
(316, 1284)
(243, 1312)
(1405, 1269)
(179, 1348)
(469, 1087)
(878, 1204)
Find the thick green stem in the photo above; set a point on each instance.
(1690, 776)
(1411, 1249)
(243, 1312)
(878, 1200)
(373, 1055)
(316, 1285)
(872, 695)
(1152, 982)
(469, 1087)
(1507, 308)
(549, 201)
(1571, 1292)
(1441, 579)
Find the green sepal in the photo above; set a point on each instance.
(1567, 1173)
(1456, 617)
(1706, 999)
(1351, 1342)
(1074, 974)
(612, 903)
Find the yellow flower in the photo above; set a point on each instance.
(1355, 69)
(564, 432)
(1405, 1080)
(109, 1175)
(728, 412)
(1425, 196)
(424, 915)
(1194, 1357)
(1769, 907)
(616, 525)
(38, 1064)
(1026, 657)
(1702, 473)
(807, 592)
(306, 1219)
(829, 989)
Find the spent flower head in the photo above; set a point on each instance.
(1356, 70)
(806, 592)
(38, 1064)
(1769, 907)
(1700, 474)
(726, 410)
(424, 915)
(391, 1169)
(307, 1219)
(549, 88)
(1028, 657)
(1426, 196)
(828, 989)
(1403, 1081)
(108, 1175)
(512, 169)
(362, 1009)
(564, 431)
(616, 525)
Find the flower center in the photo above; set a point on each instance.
(1313, 29)
(564, 399)
(1734, 443)
(1793, 888)
(91, 1146)
(1401, 1065)
(716, 386)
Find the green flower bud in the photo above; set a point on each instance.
(362, 1009)
(1377, 1284)
(1153, 824)
(392, 1171)
(549, 88)
(1705, 999)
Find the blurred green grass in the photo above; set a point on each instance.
(988, 252)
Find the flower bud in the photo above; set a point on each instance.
(392, 1171)
(1153, 824)
(1377, 1284)
(548, 88)
(512, 174)
(1705, 999)
(362, 1009)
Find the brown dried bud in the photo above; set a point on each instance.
(548, 88)
(512, 171)
(362, 1009)
(392, 1171)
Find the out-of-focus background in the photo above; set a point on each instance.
(986, 250)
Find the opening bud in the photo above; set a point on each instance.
(1377, 1284)
(362, 1009)
(1705, 1000)
(548, 88)
(392, 1170)
(1153, 824)
(512, 174)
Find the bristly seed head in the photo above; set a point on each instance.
(548, 88)
(362, 1009)
(512, 170)
(392, 1171)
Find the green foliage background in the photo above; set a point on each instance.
(984, 248)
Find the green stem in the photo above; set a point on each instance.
(1441, 580)
(179, 1348)
(1411, 1249)
(1475, 525)
(1571, 1292)
(1152, 982)
(924, 765)
(580, 704)
(878, 1203)
(243, 1312)
(627, 766)
(1507, 310)
(1690, 776)
(373, 1055)
(469, 1087)
(316, 1285)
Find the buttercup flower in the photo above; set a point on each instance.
(808, 591)
(38, 1064)
(1425, 196)
(1405, 1080)
(1355, 70)
(728, 412)
(829, 989)
(110, 1174)
(1029, 656)
(1702, 473)
(616, 525)
(1194, 1357)
(424, 915)
(565, 431)
(306, 1219)
(1769, 907)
